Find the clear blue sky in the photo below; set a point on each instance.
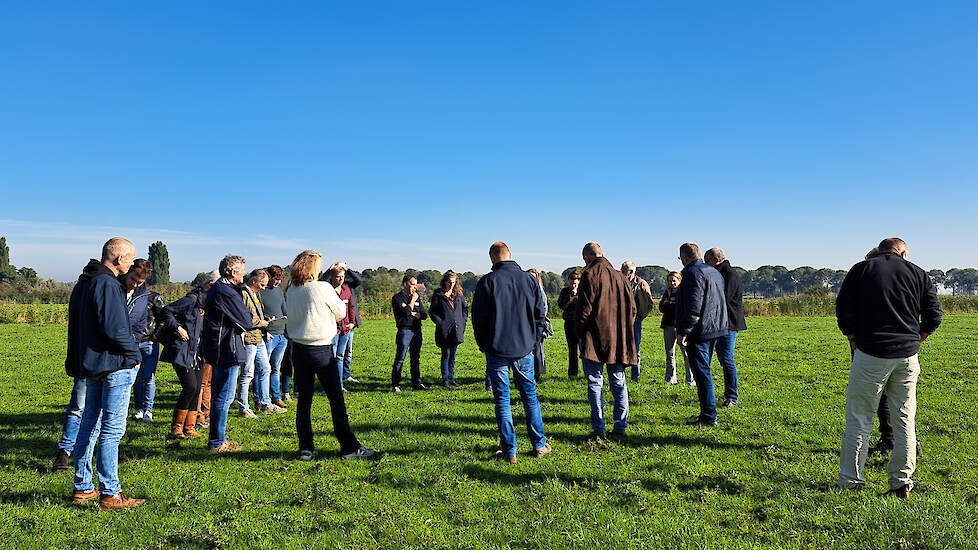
(415, 134)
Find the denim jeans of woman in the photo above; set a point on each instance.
(256, 368)
(275, 347)
(448, 364)
(144, 389)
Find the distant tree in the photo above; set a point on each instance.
(28, 275)
(566, 273)
(654, 275)
(4, 253)
(200, 278)
(937, 276)
(552, 283)
(468, 281)
(431, 278)
(160, 258)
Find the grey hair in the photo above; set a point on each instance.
(629, 265)
(213, 276)
(228, 263)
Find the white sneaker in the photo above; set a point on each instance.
(147, 417)
(248, 413)
(138, 415)
(273, 408)
(352, 379)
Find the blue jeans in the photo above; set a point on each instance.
(73, 416)
(348, 357)
(223, 381)
(497, 371)
(144, 390)
(699, 355)
(104, 421)
(638, 350)
(448, 364)
(256, 367)
(276, 351)
(339, 352)
(407, 339)
(725, 355)
(595, 394)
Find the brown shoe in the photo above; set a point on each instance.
(119, 501)
(176, 427)
(280, 403)
(542, 451)
(901, 493)
(81, 497)
(498, 455)
(227, 447)
(189, 424)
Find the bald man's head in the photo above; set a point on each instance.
(592, 250)
(499, 252)
(894, 244)
(118, 254)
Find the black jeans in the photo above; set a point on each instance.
(307, 361)
(407, 339)
(573, 346)
(190, 380)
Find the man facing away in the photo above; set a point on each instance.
(103, 353)
(408, 314)
(225, 319)
(733, 291)
(886, 307)
(643, 306)
(701, 319)
(507, 308)
(606, 329)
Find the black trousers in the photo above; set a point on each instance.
(307, 362)
(190, 380)
(573, 347)
(539, 361)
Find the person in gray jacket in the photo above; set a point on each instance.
(701, 318)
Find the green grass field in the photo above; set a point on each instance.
(755, 481)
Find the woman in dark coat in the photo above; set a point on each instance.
(567, 301)
(450, 314)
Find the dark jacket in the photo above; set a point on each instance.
(606, 315)
(402, 313)
(567, 301)
(667, 305)
(701, 310)
(733, 291)
(188, 313)
(274, 301)
(225, 319)
(449, 321)
(887, 302)
(99, 336)
(148, 316)
(507, 309)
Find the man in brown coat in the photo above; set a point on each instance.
(605, 327)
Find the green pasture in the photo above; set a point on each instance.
(759, 479)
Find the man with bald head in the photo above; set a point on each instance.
(887, 307)
(103, 353)
(508, 310)
(733, 291)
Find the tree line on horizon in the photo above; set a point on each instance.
(769, 281)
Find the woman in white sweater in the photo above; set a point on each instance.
(312, 308)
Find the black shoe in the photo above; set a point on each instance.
(306, 456)
(617, 436)
(455, 384)
(729, 403)
(699, 422)
(62, 461)
(901, 493)
(419, 387)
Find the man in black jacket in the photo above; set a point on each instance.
(733, 291)
(701, 318)
(507, 310)
(103, 352)
(408, 314)
(886, 307)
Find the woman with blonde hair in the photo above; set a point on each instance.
(450, 314)
(312, 308)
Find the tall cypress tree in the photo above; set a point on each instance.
(160, 258)
(4, 253)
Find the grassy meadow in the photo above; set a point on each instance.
(757, 480)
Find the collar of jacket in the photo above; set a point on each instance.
(94, 269)
(724, 266)
(600, 260)
(506, 264)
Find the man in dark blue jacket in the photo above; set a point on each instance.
(507, 308)
(887, 307)
(102, 351)
(701, 318)
(225, 319)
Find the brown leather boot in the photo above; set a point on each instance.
(119, 501)
(176, 428)
(189, 424)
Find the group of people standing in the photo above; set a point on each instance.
(239, 328)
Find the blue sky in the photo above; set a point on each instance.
(415, 134)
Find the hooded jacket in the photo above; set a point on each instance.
(147, 315)
(507, 310)
(606, 315)
(733, 291)
(225, 319)
(449, 321)
(701, 309)
(100, 338)
(188, 313)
